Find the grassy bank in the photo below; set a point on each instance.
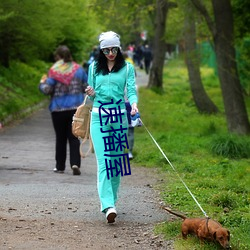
(212, 163)
(19, 89)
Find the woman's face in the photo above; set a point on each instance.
(110, 53)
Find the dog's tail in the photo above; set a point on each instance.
(175, 213)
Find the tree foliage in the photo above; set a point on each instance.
(241, 18)
(242, 34)
(126, 17)
(175, 25)
(33, 29)
(28, 33)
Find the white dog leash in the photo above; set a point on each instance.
(174, 170)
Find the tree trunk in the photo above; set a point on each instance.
(201, 99)
(159, 47)
(223, 38)
(235, 109)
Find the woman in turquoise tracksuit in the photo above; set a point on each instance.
(108, 77)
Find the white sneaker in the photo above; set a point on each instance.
(58, 171)
(130, 155)
(111, 214)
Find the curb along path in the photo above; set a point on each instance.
(40, 209)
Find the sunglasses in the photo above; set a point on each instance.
(106, 51)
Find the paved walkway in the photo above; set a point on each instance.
(29, 189)
(26, 163)
(141, 78)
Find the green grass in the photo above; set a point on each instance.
(19, 88)
(214, 164)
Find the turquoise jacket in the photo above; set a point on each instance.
(113, 86)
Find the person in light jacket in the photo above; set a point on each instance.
(108, 77)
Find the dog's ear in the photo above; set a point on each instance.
(214, 235)
(228, 237)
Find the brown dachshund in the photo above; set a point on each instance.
(204, 229)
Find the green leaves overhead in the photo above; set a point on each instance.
(126, 17)
(31, 29)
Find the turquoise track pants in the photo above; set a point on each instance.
(107, 188)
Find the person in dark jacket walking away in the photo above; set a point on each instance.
(147, 54)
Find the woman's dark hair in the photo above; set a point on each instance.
(63, 52)
(102, 67)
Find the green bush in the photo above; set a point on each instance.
(231, 146)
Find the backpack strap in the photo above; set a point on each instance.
(84, 141)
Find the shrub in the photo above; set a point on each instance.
(231, 146)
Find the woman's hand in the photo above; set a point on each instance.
(90, 91)
(43, 79)
(134, 109)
